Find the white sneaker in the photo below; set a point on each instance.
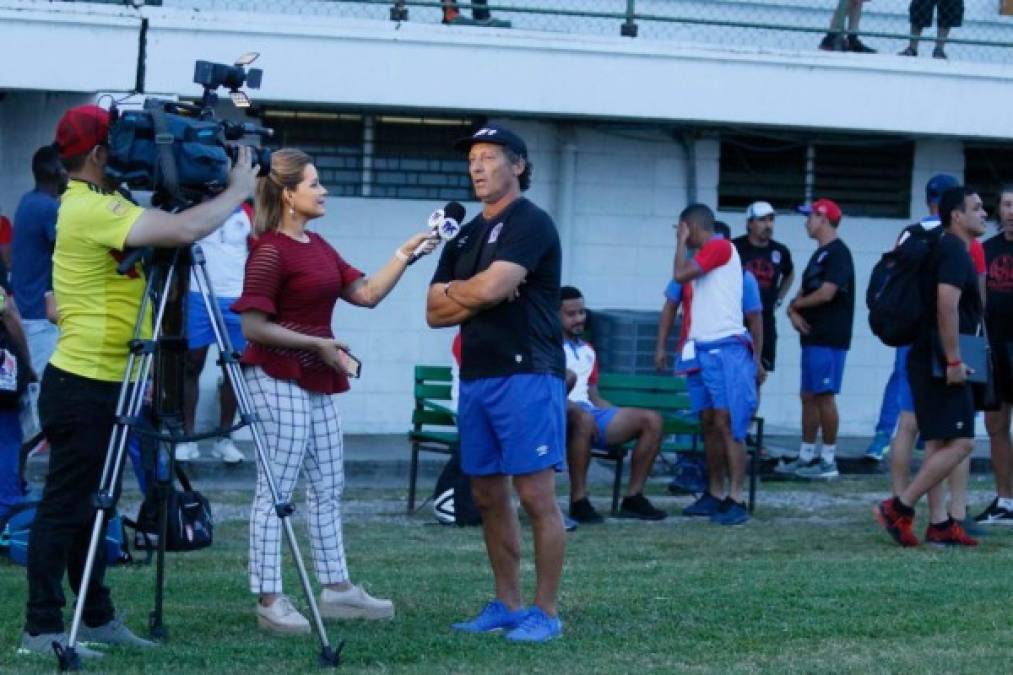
(187, 451)
(282, 617)
(227, 451)
(355, 603)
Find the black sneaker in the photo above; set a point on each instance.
(639, 507)
(834, 42)
(994, 515)
(582, 511)
(857, 46)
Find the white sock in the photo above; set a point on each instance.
(1006, 503)
(827, 453)
(806, 452)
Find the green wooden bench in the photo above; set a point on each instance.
(434, 423)
(668, 396)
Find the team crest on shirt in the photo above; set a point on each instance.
(775, 257)
(117, 207)
(494, 235)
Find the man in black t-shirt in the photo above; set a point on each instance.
(770, 262)
(999, 324)
(499, 280)
(944, 406)
(822, 313)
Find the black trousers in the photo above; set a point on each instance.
(77, 416)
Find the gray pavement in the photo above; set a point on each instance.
(383, 460)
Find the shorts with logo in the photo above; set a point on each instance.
(198, 323)
(822, 369)
(512, 425)
(943, 411)
(725, 380)
(904, 398)
(602, 419)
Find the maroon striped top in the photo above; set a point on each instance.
(297, 284)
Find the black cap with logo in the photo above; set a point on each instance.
(497, 135)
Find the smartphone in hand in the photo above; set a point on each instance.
(351, 365)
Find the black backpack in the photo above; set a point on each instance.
(894, 297)
(453, 502)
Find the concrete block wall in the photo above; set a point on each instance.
(628, 186)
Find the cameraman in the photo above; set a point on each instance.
(77, 406)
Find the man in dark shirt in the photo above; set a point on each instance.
(499, 280)
(770, 262)
(944, 406)
(822, 313)
(32, 270)
(999, 324)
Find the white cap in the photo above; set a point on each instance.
(759, 210)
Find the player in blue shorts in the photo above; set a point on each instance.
(822, 313)
(594, 422)
(720, 359)
(225, 252)
(499, 280)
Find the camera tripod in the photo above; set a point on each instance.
(166, 288)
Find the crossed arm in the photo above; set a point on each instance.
(454, 302)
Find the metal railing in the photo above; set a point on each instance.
(984, 33)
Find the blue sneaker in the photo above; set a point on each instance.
(537, 627)
(879, 447)
(494, 616)
(706, 506)
(731, 513)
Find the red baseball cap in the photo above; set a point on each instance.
(81, 129)
(824, 207)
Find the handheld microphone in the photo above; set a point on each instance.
(444, 223)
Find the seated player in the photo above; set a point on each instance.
(592, 421)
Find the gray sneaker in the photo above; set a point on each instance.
(113, 632)
(784, 468)
(42, 645)
(820, 470)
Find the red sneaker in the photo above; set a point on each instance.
(952, 535)
(896, 524)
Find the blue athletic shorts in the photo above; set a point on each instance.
(904, 398)
(726, 380)
(822, 370)
(198, 324)
(512, 425)
(602, 418)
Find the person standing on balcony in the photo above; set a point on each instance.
(480, 15)
(949, 14)
(836, 40)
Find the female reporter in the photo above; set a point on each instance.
(293, 280)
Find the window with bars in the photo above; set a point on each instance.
(332, 139)
(868, 178)
(987, 168)
(758, 168)
(382, 156)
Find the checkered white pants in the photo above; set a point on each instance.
(303, 432)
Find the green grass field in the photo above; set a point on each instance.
(810, 585)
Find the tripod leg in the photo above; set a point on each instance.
(128, 403)
(329, 656)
